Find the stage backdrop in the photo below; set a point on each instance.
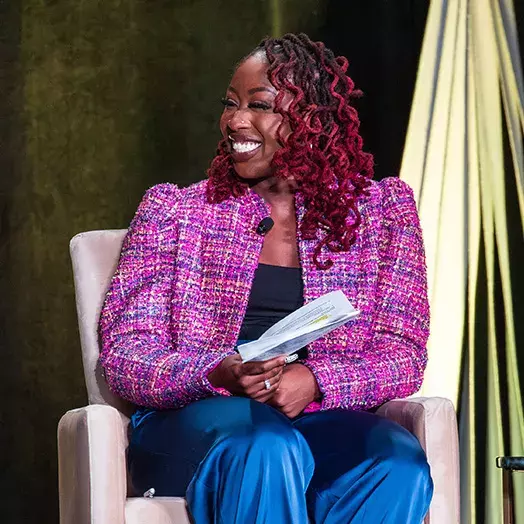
(100, 100)
(464, 158)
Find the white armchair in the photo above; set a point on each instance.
(93, 484)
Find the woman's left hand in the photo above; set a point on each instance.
(298, 388)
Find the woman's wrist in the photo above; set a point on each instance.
(215, 377)
(316, 394)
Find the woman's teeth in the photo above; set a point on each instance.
(244, 147)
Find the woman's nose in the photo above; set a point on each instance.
(239, 120)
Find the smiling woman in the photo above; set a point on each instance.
(249, 122)
(294, 99)
(261, 442)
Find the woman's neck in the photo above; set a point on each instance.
(275, 190)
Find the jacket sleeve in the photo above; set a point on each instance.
(140, 360)
(391, 364)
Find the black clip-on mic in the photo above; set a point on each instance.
(265, 225)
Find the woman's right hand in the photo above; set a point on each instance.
(248, 379)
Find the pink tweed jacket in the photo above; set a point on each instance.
(177, 300)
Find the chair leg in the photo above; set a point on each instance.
(507, 496)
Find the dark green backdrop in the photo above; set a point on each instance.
(100, 99)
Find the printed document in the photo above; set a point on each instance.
(301, 327)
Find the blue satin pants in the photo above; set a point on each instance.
(242, 462)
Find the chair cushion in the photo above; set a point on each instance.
(160, 510)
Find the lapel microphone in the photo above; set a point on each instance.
(265, 225)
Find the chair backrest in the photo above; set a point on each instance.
(95, 255)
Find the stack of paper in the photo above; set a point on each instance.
(301, 327)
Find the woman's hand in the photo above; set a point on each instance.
(248, 379)
(298, 388)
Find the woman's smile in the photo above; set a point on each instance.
(243, 147)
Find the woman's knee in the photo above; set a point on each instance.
(405, 461)
(413, 470)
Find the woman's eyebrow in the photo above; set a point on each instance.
(255, 90)
(262, 88)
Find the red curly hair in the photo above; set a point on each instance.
(323, 153)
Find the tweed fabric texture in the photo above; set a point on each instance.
(178, 297)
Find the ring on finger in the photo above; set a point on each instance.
(267, 384)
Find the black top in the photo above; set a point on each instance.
(276, 292)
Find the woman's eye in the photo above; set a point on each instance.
(260, 105)
(227, 102)
(263, 106)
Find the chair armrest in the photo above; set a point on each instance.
(434, 422)
(91, 466)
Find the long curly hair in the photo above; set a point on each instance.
(323, 153)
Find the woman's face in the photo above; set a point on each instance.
(249, 123)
